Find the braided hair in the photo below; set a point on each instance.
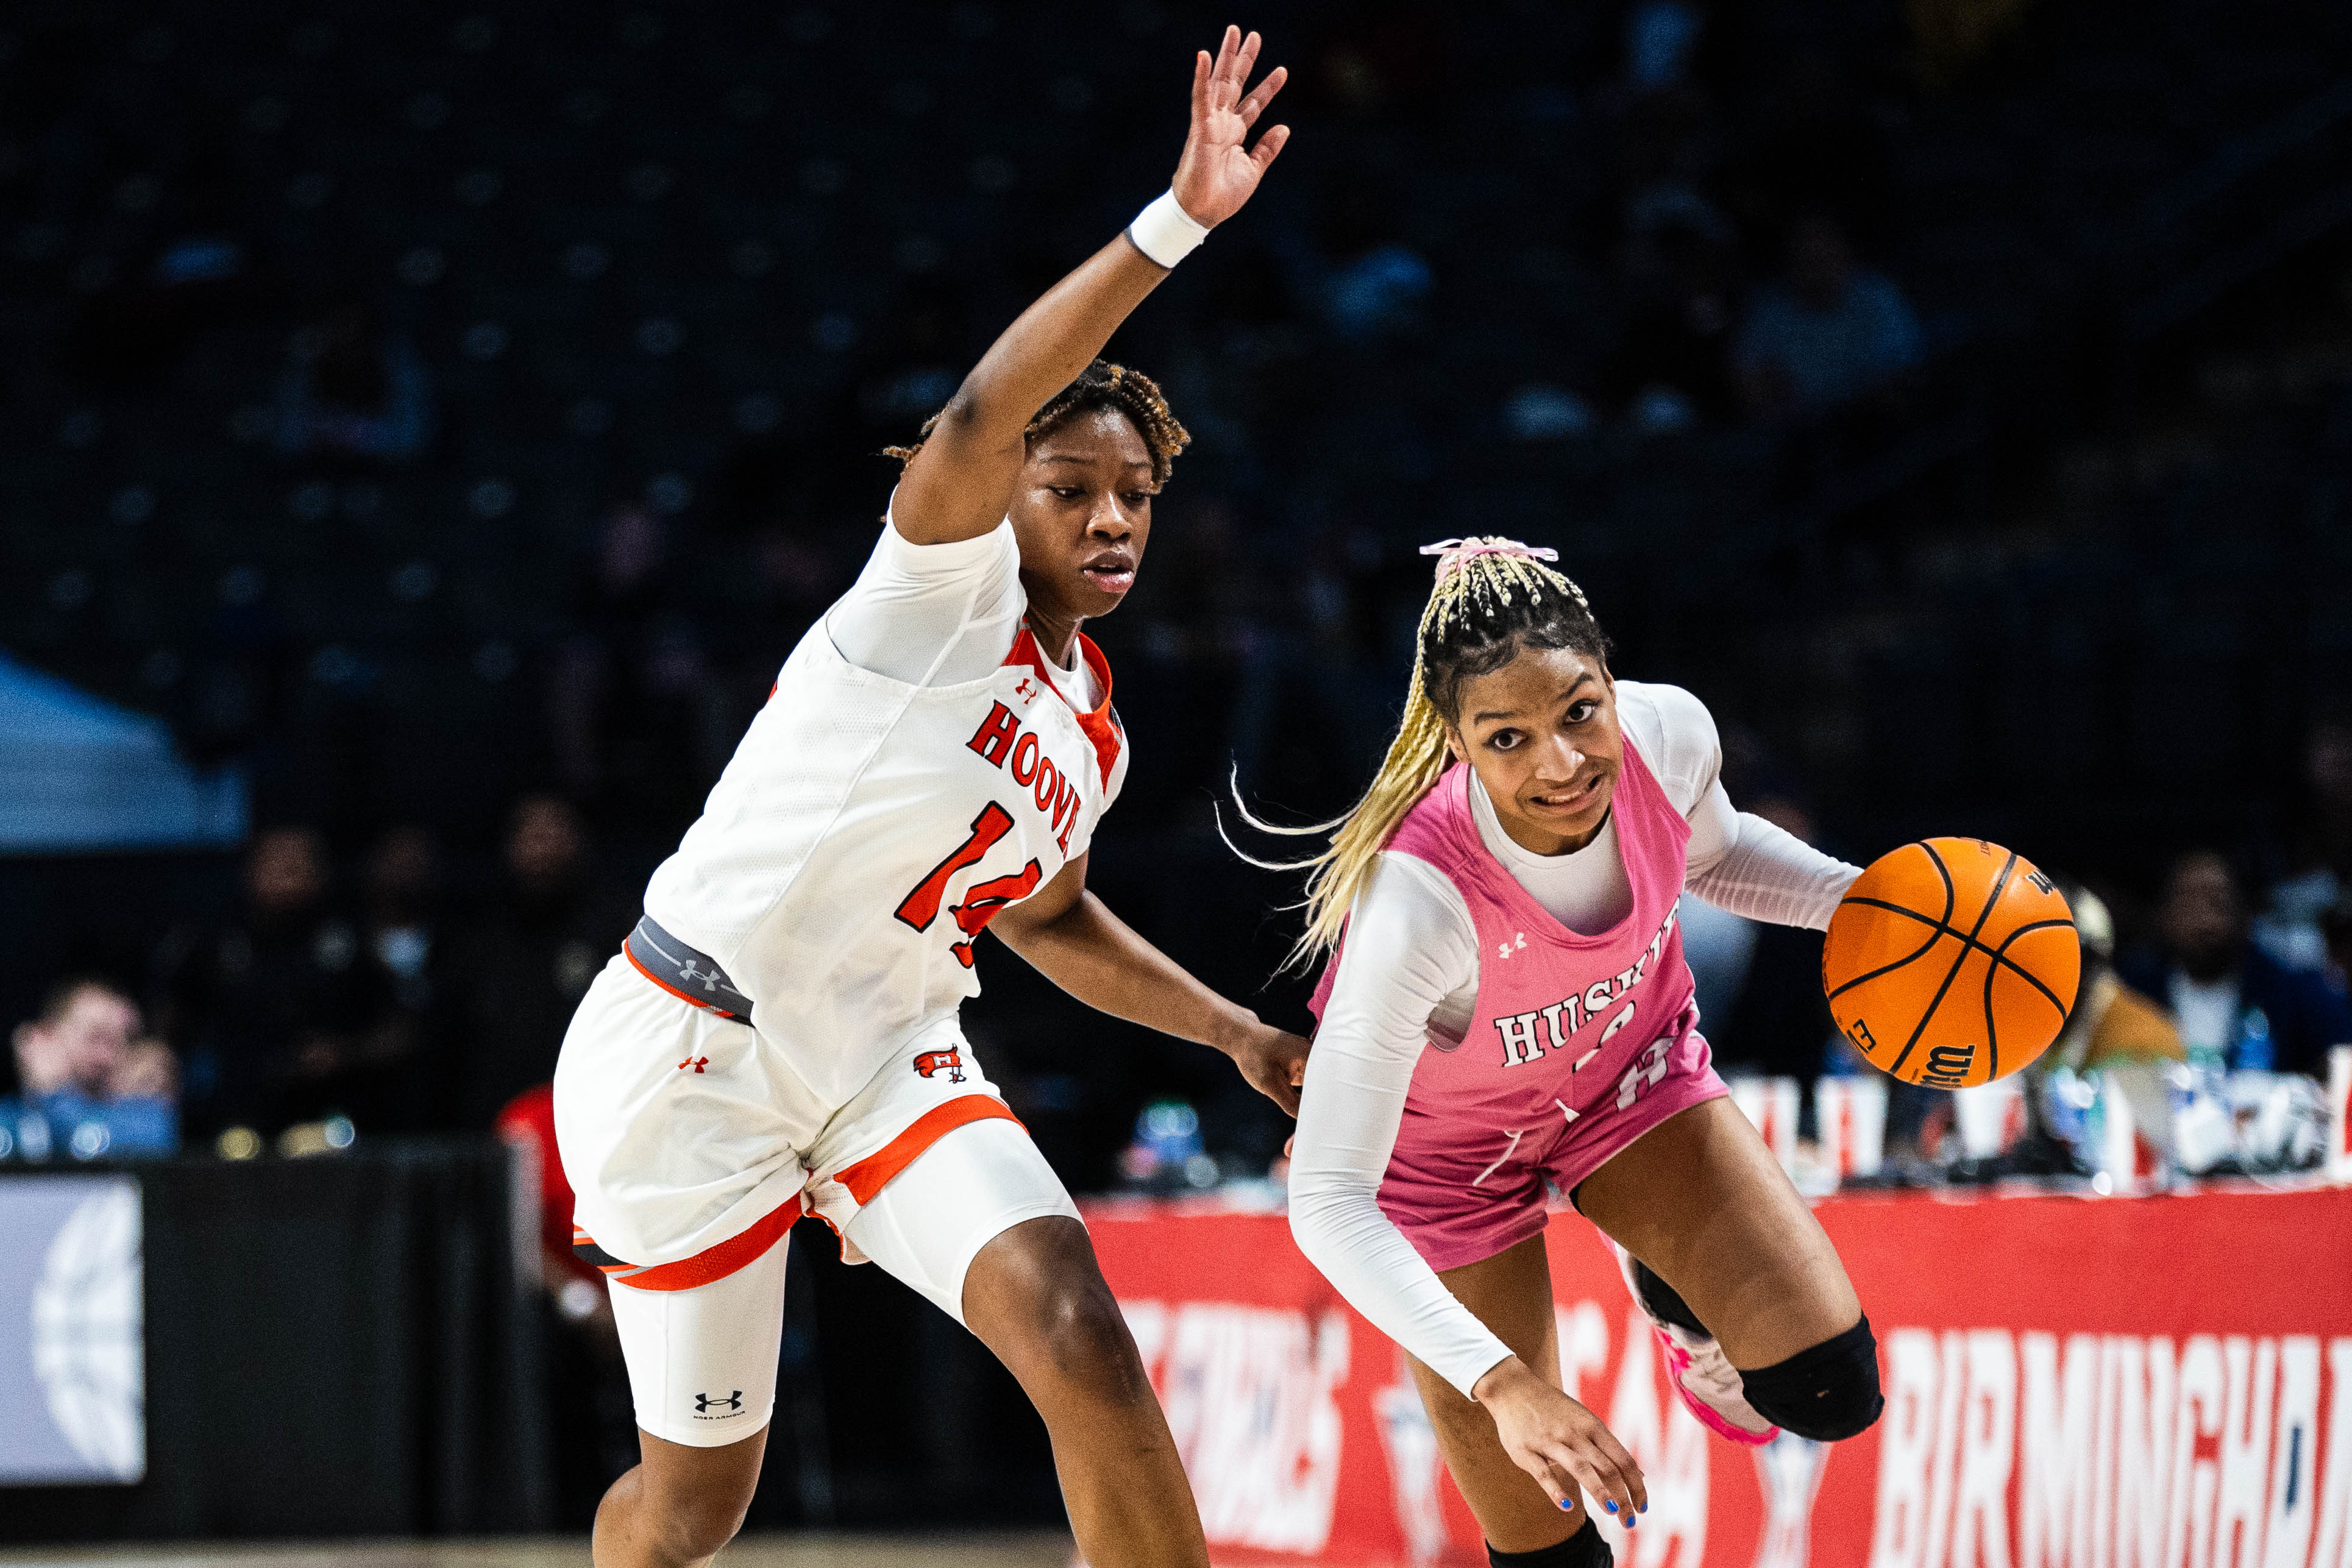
(1101, 387)
(1495, 598)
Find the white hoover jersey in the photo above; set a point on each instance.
(865, 832)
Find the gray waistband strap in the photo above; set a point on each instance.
(683, 973)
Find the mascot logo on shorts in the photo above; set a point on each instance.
(949, 1061)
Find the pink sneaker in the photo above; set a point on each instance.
(1709, 1385)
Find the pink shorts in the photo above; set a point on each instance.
(1464, 1191)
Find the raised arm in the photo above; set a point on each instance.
(959, 485)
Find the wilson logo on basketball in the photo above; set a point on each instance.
(949, 1061)
(1948, 1066)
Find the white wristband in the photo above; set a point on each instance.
(1165, 232)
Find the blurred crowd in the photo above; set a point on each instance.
(475, 545)
(388, 996)
(392, 994)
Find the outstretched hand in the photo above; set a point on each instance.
(1218, 173)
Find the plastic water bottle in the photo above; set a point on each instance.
(2110, 1140)
(2255, 1052)
(2203, 1132)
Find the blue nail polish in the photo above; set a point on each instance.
(1567, 1503)
(1642, 1507)
(1631, 1521)
(1609, 1503)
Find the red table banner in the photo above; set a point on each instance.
(2071, 1382)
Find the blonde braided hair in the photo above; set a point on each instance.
(1493, 595)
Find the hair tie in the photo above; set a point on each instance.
(1455, 554)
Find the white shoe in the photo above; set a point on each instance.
(1709, 1385)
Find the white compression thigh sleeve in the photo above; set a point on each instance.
(702, 1363)
(973, 1185)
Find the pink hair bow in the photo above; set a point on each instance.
(1455, 554)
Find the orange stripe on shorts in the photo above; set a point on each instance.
(872, 1173)
(714, 1264)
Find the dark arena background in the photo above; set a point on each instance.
(425, 429)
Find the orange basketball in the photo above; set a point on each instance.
(1951, 962)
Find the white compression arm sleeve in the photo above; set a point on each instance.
(1742, 863)
(1410, 943)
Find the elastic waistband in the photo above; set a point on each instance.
(689, 976)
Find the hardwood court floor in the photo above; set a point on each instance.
(1045, 1550)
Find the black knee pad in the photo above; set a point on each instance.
(1585, 1549)
(1828, 1393)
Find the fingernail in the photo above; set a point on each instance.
(1609, 1504)
(1641, 1508)
(1631, 1521)
(1567, 1503)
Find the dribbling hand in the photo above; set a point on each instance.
(1560, 1442)
(1217, 172)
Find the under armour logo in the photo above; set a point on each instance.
(697, 1062)
(1026, 690)
(709, 977)
(1506, 949)
(733, 1401)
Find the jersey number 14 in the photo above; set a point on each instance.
(983, 899)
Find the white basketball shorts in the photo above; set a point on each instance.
(702, 1360)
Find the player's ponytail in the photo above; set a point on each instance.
(1493, 597)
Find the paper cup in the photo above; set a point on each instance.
(1990, 1117)
(1772, 1105)
(1852, 1117)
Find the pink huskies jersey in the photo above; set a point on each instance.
(1572, 1037)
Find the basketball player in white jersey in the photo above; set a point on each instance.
(780, 1035)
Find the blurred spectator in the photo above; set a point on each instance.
(527, 959)
(278, 1019)
(2225, 993)
(402, 897)
(1831, 331)
(2111, 1021)
(351, 389)
(2112, 1027)
(88, 1085)
(2292, 928)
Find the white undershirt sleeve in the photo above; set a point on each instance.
(1410, 944)
(1742, 863)
(931, 614)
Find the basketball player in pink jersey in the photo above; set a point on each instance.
(779, 1035)
(1509, 1015)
